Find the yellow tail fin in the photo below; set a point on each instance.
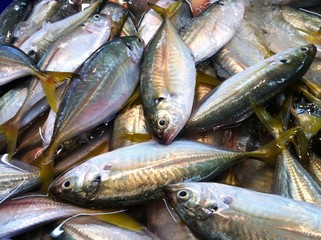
(10, 129)
(270, 151)
(121, 220)
(49, 80)
(166, 12)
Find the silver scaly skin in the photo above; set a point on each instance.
(217, 211)
(167, 83)
(229, 103)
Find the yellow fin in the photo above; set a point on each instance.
(270, 151)
(166, 12)
(203, 78)
(272, 125)
(45, 162)
(49, 80)
(314, 88)
(10, 129)
(137, 137)
(121, 220)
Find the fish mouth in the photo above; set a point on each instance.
(166, 137)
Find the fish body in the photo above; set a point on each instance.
(151, 21)
(109, 76)
(94, 33)
(244, 50)
(14, 13)
(17, 179)
(287, 27)
(26, 213)
(167, 91)
(229, 103)
(41, 40)
(213, 28)
(217, 211)
(89, 228)
(142, 170)
(14, 64)
(41, 13)
(293, 181)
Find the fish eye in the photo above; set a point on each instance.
(96, 16)
(284, 61)
(304, 49)
(183, 195)
(67, 185)
(162, 123)
(140, 41)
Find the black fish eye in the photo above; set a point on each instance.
(304, 49)
(183, 195)
(162, 122)
(284, 61)
(67, 185)
(140, 41)
(96, 16)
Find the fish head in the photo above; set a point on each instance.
(192, 201)
(298, 56)
(98, 23)
(166, 121)
(135, 47)
(78, 185)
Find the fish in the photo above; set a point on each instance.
(97, 143)
(28, 212)
(11, 15)
(16, 177)
(210, 30)
(218, 211)
(87, 228)
(40, 41)
(244, 50)
(229, 103)
(167, 92)
(15, 64)
(42, 12)
(129, 125)
(287, 27)
(114, 65)
(94, 32)
(142, 170)
(151, 20)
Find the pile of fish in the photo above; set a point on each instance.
(160, 120)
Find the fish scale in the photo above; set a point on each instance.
(141, 171)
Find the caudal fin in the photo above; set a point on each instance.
(270, 151)
(49, 80)
(10, 129)
(166, 12)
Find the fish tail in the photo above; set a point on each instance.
(273, 125)
(270, 151)
(49, 80)
(121, 220)
(166, 12)
(45, 162)
(10, 129)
